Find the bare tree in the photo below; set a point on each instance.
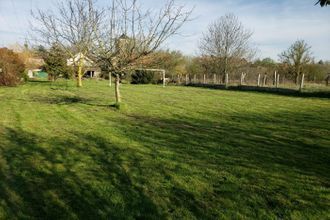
(72, 26)
(131, 33)
(227, 42)
(296, 57)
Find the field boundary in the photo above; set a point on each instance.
(271, 90)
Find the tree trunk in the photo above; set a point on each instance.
(225, 69)
(79, 80)
(110, 79)
(226, 80)
(117, 92)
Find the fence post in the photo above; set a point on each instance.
(164, 79)
(259, 77)
(265, 80)
(226, 80)
(302, 82)
(275, 78)
(241, 83)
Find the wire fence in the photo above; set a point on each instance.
(275, 80)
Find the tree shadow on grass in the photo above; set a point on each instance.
(269, 90)
(274, 139)
(67, 100)
(60, 99)
(259, 164)
(63, 179)
(243, 166)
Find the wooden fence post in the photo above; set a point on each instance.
(164, 79)
(265, 80)
(241, 83)
(277, 80)
(302, 82)
(259, 77)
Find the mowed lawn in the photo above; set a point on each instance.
(169, 153)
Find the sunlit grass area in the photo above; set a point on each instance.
(175, 152)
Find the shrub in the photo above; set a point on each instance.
(142, 77)
(12, 68)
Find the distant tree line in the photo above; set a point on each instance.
(123, 37)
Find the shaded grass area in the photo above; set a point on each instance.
(174, 152)
(317, 92)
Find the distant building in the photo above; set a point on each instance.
(34, 67)
(91, 70)
(37, 73)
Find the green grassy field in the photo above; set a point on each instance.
(169, 153)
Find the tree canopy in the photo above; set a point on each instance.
(296, 57)
(227, 41)
(56, 62)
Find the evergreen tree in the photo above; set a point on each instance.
(56, 63)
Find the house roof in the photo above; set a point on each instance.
(86, 61)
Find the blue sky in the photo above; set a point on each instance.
(276, 23)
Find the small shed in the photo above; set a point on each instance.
(37, 73)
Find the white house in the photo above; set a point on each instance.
(91, 70)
